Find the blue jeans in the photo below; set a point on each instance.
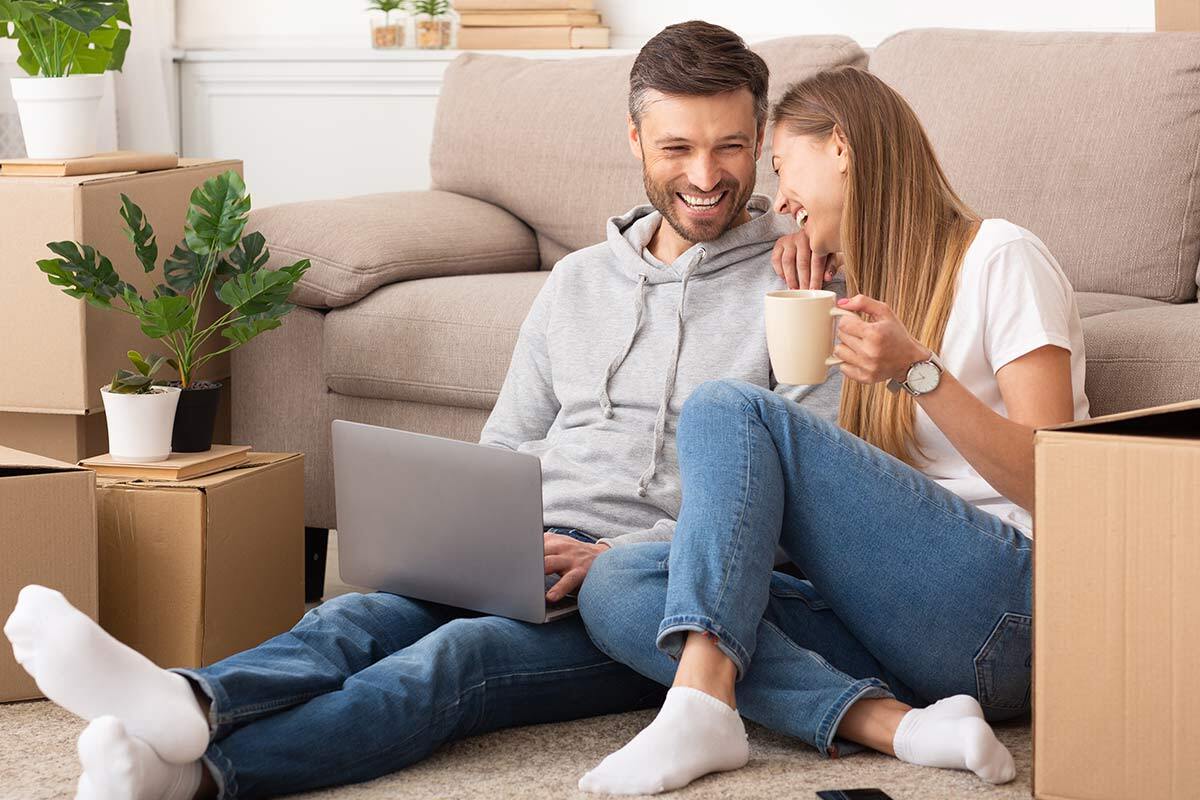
(911, 592)
(366, 684)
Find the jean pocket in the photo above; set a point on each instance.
(787, 586)
(1003, 666)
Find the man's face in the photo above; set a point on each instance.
(698, 157)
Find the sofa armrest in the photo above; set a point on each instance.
(357, 244)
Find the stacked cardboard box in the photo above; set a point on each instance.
(529, 25)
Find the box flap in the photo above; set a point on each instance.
(1173, 421)
(255, 461)
(19, 459)
(105, 177)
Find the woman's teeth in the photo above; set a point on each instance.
(801, 217)
(701, 202)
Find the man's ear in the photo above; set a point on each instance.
(635, 138)
(761, 140)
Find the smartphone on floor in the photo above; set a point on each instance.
(854, 794)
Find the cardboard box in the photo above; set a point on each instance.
(58, 351)
(48, 534)
(193, 571)
(74, 437)
(1116, 714)
(1177, 15)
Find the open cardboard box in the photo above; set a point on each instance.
(48, 534)
(1116, 713)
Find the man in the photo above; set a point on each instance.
(616, 340)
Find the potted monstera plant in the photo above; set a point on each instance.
(65, 46)
(216, 261)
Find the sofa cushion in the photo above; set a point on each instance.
(358, 244)
(1093, 303)
(439, 340)
(1142, 357)
(556, 153)
(1090, 140)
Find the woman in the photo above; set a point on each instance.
(909, 518)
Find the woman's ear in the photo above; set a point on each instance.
(840, 148)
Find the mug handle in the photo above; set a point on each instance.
(833, 361)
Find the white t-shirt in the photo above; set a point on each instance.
(1012, 298)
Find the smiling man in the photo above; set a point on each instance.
(619, 336)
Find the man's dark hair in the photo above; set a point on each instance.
(697, 59)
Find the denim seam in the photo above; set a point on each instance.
(875, 468)
(735, 547)
(811, 654)
(437, 715)
(827, 730)
(694, 622)
(223, 772)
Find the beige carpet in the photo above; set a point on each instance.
(38, 762)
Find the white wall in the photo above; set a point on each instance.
(342, 23)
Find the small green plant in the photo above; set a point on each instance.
(432, 8)
(57, 38)
(139, 380)
(214, 257)
(386, 6)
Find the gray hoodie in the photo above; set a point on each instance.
(614, 344)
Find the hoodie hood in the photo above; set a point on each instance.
(628, 235)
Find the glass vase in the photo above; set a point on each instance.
(438, 32)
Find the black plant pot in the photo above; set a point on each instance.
(195, 417)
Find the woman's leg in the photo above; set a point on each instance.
(899, 559)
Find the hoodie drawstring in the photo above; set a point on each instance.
(639, 303)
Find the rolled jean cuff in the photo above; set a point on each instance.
(218, 701)
(221, 768)
(673, 632)
(865, 689)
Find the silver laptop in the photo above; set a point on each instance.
(442, 520)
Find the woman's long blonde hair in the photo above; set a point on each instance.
(904, 230)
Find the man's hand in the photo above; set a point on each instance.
(801, 268)
(571, 559)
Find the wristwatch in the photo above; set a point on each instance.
(923, 377)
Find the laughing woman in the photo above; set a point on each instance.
(910, 519)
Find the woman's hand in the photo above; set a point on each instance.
(801, 268)
(875, 348)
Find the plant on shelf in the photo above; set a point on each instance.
(65, 46)
(139, 380)
(385, 33)
(435, 24)
(216, 257)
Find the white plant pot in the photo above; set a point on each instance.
(58, 115)
(140, 425)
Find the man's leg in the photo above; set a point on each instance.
(470, 676)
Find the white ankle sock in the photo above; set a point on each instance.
(86, 671)
(952, 734)
(117, 766)
(694, 734)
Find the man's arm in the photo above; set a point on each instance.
(527, 405)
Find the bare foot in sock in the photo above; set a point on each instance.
(694, 734)
(117, 766)
(86, 671)
(952, 734)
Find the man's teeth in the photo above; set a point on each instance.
(701, 202)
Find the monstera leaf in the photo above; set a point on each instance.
(83, 273)
(217, 215)
(138, 231)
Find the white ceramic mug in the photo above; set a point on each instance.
(800, 325)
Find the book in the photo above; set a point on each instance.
(523, 5)
(484, 19)
(116, 161)
(177, 467)
(557, 37)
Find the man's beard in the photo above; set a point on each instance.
(665, 199)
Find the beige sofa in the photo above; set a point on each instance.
(410, 311)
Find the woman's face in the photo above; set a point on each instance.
(812, 178)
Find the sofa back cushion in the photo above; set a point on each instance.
(1090, 140)
(546, 139)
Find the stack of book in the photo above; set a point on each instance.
(529, 25)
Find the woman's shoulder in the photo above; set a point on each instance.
(1004, 249)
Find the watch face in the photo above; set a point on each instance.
(923, 377)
